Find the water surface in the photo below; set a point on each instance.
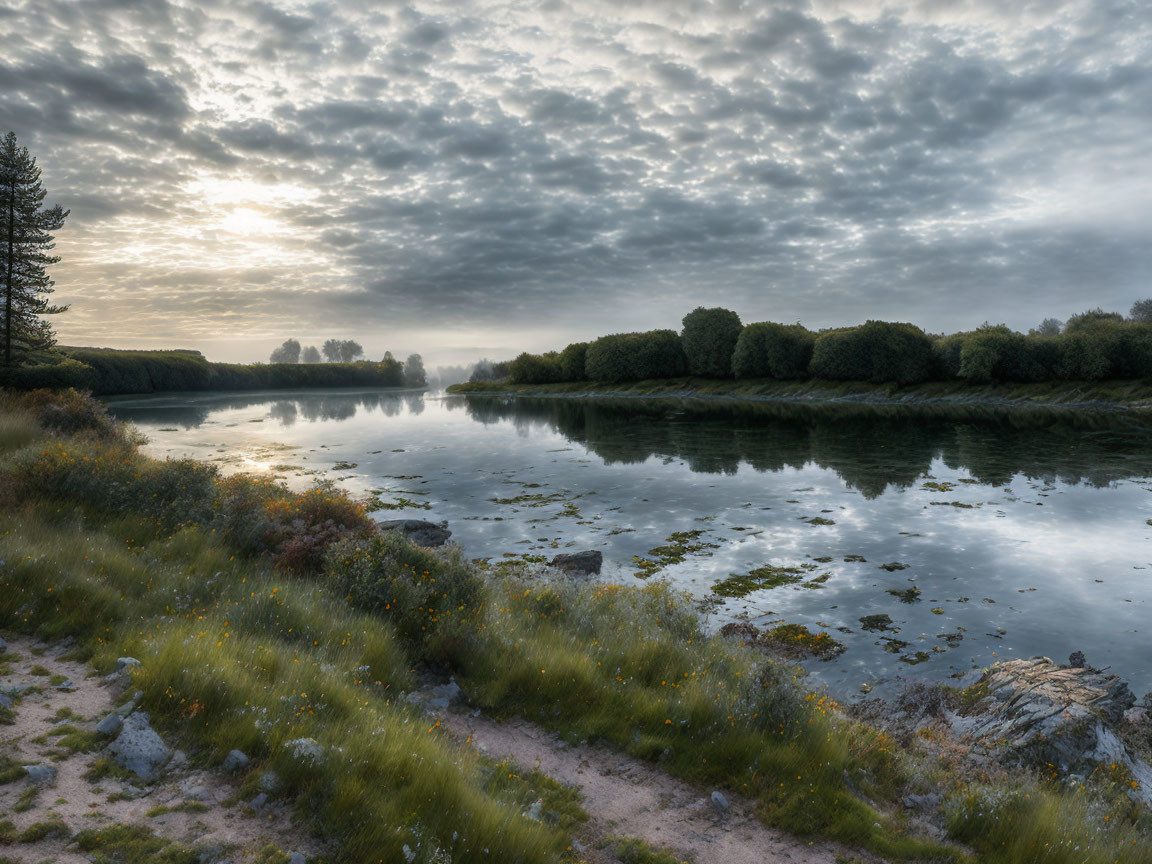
(1004, 536)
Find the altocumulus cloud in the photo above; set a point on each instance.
(522, 172)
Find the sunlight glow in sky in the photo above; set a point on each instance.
(483, 176)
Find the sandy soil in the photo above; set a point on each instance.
(82, 804)
(628, 798)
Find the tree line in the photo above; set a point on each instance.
(411, 372)
(714, 343)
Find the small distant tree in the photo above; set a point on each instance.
(310, 355)
(1049, 327)
(342, 350)
(25, 226)
(1141, 311)
(414, 375)
(709, 339)
(289, 352)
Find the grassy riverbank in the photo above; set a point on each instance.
(264, 616)
(1101, 395)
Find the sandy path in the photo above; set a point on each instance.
(82, 803)
(629, 798)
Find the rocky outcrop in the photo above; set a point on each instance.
(1039, 712)
(587, 563)
(420, 532)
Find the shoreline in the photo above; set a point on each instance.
(1114, 397)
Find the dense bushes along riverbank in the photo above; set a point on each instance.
(714, 344)
(264, 616)
(107, 372)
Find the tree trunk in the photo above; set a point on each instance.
(11, 258)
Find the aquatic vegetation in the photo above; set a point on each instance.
(960, 504)
(877, 622)
(939, 486)
(759, 579)
(819, 520)
(905, 595)
(676, 549)
(916, 659)
(893, 566)
(797, 641)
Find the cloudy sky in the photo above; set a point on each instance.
(481, 176)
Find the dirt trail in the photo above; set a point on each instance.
(82, 803)
(629, 798)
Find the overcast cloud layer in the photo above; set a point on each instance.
(497, 175)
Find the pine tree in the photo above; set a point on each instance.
(24, 234)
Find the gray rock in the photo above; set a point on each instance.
(5, 700)
(306, 749)
(1038, 712)
(419, 531)
(139, 749)
(928, 802)
(297, 858)
(259, 802)
(269, 781)
(15, 689)
(1077, 660)
(234, 761)
(110, 725)
(535, 810)
(64, 686)
(586, 563)
(130, 706)
(720, 802)
(179, 760)
(198, 793)
(126, 663)
(438, 698)
(41, 775)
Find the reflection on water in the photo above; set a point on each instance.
(1015, 534)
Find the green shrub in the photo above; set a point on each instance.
(877, 351)
(419, 590)
(769, 350)
(572, 362)
(709, 338)
(636, 357)
(536, 369)
(1000, 354)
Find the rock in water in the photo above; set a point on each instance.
(139, 749)
(1077, 660)
(420, 532)
(588, 562)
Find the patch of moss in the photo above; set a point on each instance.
(629, 851)
(40, 671)
(916, 659)
(38, 831)
(7, 833)
(893, 566)
(182, 807)
(10, 770)
(105, 767)
(27, 800)
(132, 844)
(819, 520)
